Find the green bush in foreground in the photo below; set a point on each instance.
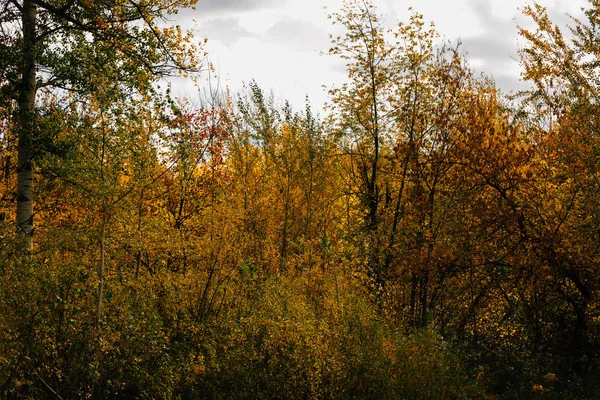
(286, 337)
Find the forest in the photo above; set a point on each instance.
(426, 236)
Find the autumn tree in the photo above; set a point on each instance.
(279, 159)
(66, 45)
(397, 118)
(563, 107)
(362, 105)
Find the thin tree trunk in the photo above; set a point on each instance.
(101, 265)
(413, 300)
(138, 258)
(26, 128)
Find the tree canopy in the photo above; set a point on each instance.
(426, 237)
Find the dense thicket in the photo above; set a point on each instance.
(428, 239)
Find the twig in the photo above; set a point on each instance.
(48, 386)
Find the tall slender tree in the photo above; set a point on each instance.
(66, 44)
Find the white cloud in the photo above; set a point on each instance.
(278, 42)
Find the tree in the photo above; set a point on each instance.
(563, 110)
(67, 45)
(398, 121)
(362, 105)
(280, 161)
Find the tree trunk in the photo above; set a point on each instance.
(101, 267)
(26, 117)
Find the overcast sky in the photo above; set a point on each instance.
(279, 42)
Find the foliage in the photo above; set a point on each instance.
(429, 239)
